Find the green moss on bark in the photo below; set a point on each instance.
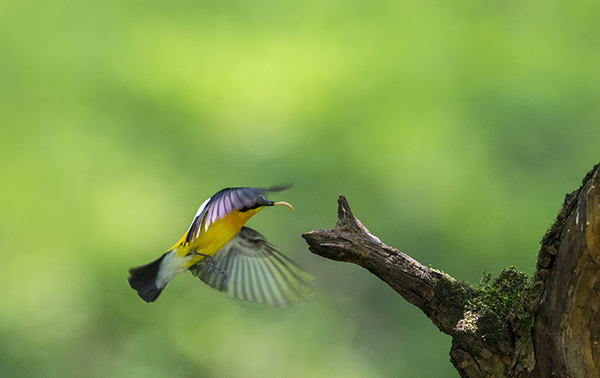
(500, 313)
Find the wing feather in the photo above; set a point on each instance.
(256, 272)
(224, 202)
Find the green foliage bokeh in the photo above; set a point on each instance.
(453, 128)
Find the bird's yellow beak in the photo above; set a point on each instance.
(284, 204)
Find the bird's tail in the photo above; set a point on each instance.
(143, 279)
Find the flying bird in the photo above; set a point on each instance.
(219, 250)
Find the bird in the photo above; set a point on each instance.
(228, 256)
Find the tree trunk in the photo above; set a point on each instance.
(512, 326)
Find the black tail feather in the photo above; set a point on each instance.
(143, 280)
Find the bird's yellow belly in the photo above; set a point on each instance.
(218, 234)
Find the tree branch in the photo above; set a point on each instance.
(545, 326)
(426, 288)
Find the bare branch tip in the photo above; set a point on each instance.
(344, 211)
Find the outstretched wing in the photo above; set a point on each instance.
(255, 271)
(224, 202)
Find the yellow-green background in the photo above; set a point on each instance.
(454, 129)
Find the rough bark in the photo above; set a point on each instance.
(512, 326)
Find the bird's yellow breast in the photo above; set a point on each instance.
(210, 241)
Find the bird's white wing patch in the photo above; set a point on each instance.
(194, 230)
(202, 207)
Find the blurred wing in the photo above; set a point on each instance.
(224, 202)
(256, 272)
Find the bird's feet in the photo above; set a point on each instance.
(211, 267)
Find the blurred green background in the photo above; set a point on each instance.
(453, 128)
